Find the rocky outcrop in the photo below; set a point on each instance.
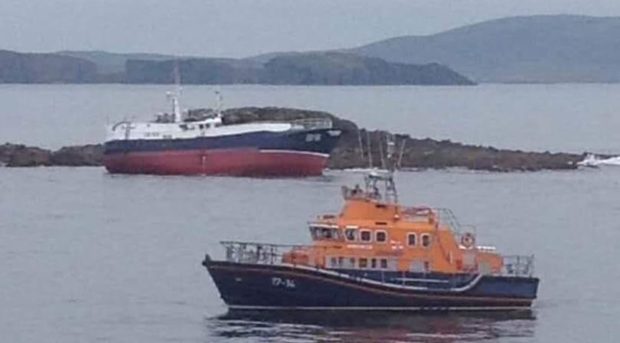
(352, 150)
(82, 155)
(18, 155)
(411, 153)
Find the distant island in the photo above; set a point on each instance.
(321, 68)
(530, 49)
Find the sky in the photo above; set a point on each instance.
(241, 28)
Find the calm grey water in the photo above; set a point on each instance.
(86, 256)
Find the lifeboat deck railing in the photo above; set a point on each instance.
(517, 265)
(447, 217)
(272, 254)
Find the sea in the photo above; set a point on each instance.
(86, 256)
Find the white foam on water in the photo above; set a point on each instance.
(592, 160)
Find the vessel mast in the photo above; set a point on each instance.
(176, 108)
(219, 103)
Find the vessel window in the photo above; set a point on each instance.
(201, 126)
(383, 263)
(334, 262)
(373, 263)
(363, 263)
(351, 234)
(218, 124)
(365, 235)
(340, 261)
(352, 262)
(380, 236)
(411, 239)
(426, 240)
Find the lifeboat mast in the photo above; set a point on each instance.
(384, 176)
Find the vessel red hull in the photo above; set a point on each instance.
(233, 162)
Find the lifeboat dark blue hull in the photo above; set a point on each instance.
(282, 287)
(288, 153)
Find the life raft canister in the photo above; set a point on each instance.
(468, 240)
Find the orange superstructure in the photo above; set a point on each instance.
(374, 232)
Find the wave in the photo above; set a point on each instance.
(591, 160)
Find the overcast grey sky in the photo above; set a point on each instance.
(238, 28)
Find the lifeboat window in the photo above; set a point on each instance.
(351, 234)
(363, 263)
(373, 263)
(426, 240)
(365, 236)
(313, 233)
(326, 233)
(411, 239)
(319, 233)
(418, 266)
(383, 263)
(380, 236)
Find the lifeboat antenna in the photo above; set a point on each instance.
(359, 140)
(390, 186)
(381, 157)
(400, 154)
(391, 148)
(369, 150)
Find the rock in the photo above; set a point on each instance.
(17, 155)
(427, 153)
(82, 155)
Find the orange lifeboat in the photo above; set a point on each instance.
(376, 254)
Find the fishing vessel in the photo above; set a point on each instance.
(376, 254)
(177, 144)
